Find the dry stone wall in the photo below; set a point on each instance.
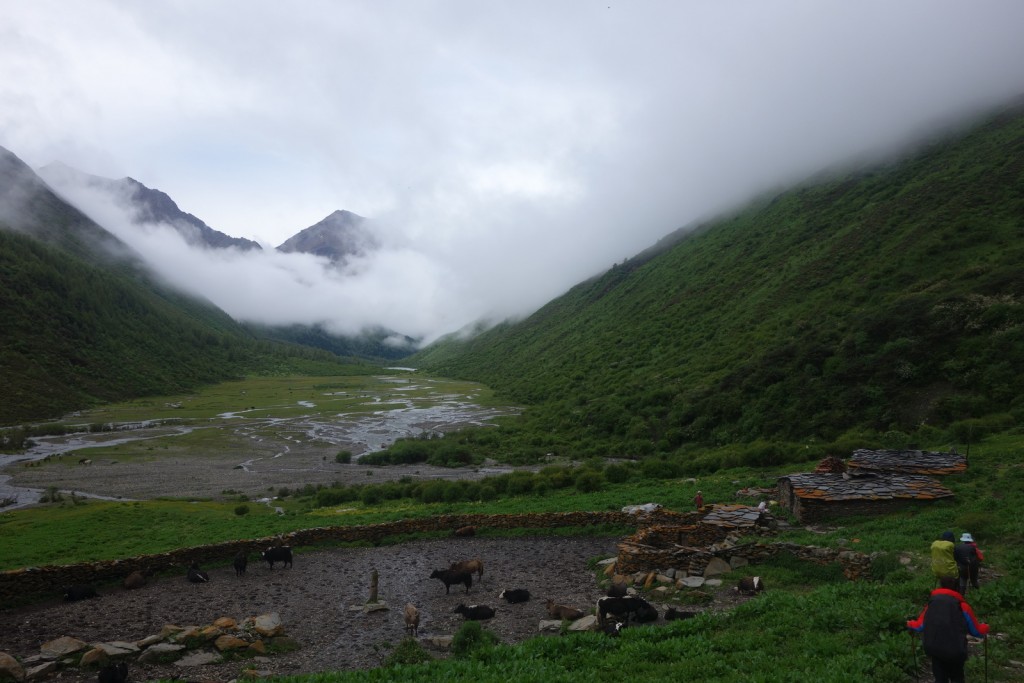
(19, 585)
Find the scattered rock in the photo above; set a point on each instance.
(587, 623)
(10, 669)
(61, 647)
(159, 652)
(717, 566)
(40, 671)
(226, 643)
(201, 658)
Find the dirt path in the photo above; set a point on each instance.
(314, 597)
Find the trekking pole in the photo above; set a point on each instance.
(913, 651)
(986, 659)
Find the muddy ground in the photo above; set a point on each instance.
(314, 598)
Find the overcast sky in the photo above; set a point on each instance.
(508, 148)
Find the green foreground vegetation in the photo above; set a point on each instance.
(810, 624)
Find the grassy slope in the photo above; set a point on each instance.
(810, 624)
(884, 299)
(83, 322)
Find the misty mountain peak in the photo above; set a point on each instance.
(148, 205)
(339, 235)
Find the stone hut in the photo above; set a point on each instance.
(815, 497)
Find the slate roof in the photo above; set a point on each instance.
(910, 462)
(734, 516)
(835, 487)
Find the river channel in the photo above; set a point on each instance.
(258, 451)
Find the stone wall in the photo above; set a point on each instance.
(19, 585)
(693, 561)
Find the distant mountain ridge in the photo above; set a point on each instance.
(148, 206)
(84, 321)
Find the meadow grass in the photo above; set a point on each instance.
(811, 623)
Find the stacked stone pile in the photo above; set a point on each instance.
(183, 646)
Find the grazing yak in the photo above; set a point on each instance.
(450, 577)
(241, 562)
(134, 580)
(556, 611)
(474, 565)
(622, 608)
(197, 575)
(281, 553)
(514, 595)
(113, 673)
(475, 612)
(750, 585)
(412, 620)
(79, 591)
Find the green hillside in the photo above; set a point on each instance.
(82, 322)
(886, 300)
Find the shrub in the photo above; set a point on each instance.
(589, 481)
(471, 637)
(371, 495)
(343, 457)
(616, 474)
(241, 510)
(409, 651)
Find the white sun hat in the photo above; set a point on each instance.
(966, 538)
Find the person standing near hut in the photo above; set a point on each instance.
(944, 624)
(943, 562)
(968, 559)
(698, 500)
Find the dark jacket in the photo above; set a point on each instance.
(966, 553)
(944, 623)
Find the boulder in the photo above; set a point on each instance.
(40, 671)
(94, 657)
(268, 625)
(200, 658)
(226, 642)
(160, 652)
(716, 566)
(550, 626)
(587, 623)
(10, 669)
(61, 647)
(117, 648)
(225, 623)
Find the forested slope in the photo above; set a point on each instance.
(84, 322)
(884, 299)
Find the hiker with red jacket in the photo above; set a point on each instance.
(968, 559)
(944, 624)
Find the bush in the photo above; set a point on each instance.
(343, 457)
(588, 482)
(409, 651)
(371, 495)
(471, 637)
(241, 510)
(616, 474)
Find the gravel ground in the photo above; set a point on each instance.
(313, 599)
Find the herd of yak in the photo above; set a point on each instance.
(613, 611)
